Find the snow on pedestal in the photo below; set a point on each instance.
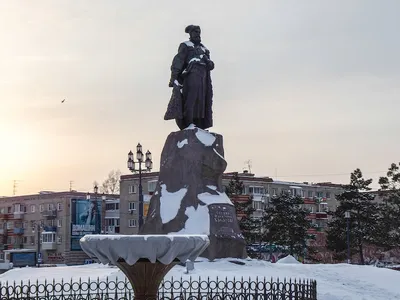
(189, 198)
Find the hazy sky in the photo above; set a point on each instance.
(300, 87)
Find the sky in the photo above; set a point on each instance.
(306, 90)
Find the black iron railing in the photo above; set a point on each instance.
(260, 289)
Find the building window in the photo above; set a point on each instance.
(132, 223)
(328, 194)
(48, 237)
(257, 205)
(132, 206)
(151, 186)
(320, 194)
(25, 224)
(59, 223)
(59, 206)
(59, 239)
(274, 192)
(132, 189)
(309, 194)
(256, 190)
(50, 206)
(41, 207)
(32, 239)
(33, 208)
(25, 239)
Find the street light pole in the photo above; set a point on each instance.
(38, 241)
(131, 166)
(347, 217)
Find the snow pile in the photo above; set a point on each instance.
(334, 282)
(170, 203)
(288, 260)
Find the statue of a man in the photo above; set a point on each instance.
(191, 101)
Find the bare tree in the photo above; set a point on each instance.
(111, 184)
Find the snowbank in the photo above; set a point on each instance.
(334, 282)
(288, 260)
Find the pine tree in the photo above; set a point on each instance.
(388, 229)
(363, 218)
(286, 223)
(249, 226)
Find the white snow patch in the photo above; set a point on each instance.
(288, 260)
(176, 82)
(194, 59)
(189, 43)
(198, 221)
(170, 203)
(190, 127)
(182, 143)
(205, 137)
(218, 153)
(221, 198)
(212, 187)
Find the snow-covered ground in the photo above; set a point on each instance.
(334, 282)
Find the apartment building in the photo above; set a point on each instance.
(318, 198)
(56, 220)
(129, 199)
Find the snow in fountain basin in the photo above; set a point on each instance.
(170, 203)
(334, 282)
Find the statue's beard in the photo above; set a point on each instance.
(196, 40)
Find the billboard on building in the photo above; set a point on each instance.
(85, 219)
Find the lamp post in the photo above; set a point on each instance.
(103, 213)
(131, 166)
(347, 217)
(38, 230)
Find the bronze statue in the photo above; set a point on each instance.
(191, 100)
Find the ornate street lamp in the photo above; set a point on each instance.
(347, 217)
(148, 163)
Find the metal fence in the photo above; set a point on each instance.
(215, 289)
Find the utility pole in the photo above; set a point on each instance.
(70, 185)
(14, 187)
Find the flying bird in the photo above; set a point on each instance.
(63, 101)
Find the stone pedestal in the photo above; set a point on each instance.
(145, 277)
(189, 197)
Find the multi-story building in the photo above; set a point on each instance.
(56, 220)
(318, 198)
